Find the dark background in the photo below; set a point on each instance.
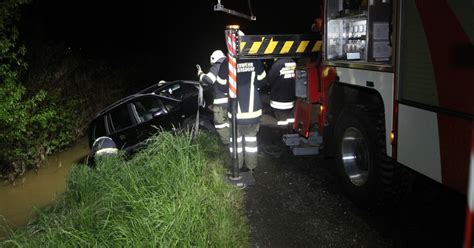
(163, 40)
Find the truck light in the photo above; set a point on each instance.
(235, 27)
(321, 108)
(392, 137)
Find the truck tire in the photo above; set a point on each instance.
(366, 174)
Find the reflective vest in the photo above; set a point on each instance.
(251, 77)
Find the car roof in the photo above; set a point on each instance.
(149, 91)
(119, 102)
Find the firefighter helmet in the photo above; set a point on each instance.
(216, 55)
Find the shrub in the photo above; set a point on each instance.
(46, 108)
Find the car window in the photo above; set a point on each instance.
(169, 104)
(99, 128)
(178, 91)
(145, 107)
(121, 118)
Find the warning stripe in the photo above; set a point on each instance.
(232, 77)
(270, 47)
(231, 46)
(253, 46)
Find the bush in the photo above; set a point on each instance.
(52, 109)
(169, 195)
(13, 105)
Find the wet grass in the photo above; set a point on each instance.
(169, 194)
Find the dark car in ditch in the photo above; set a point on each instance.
(164, 106)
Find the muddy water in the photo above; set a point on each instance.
(36, 190)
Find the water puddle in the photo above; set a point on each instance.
(36, 190)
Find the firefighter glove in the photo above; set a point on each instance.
(199, 70)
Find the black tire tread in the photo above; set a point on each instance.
(393, 180)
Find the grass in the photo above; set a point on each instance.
(169, 195)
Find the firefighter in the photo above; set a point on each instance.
(219, 106)
(250, 77)
(281, 78)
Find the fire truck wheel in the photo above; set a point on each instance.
(366, 174)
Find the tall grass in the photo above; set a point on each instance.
(169, 194)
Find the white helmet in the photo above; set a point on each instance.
(216, 55)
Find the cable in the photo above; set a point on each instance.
(250, 8)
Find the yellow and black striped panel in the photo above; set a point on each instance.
(275, 46)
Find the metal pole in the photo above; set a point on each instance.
(468, 230)
(235, 156)
(231, 40)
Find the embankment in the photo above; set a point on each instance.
(169, 194)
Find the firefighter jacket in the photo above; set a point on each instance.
(281, 78)
(250, 77)
(210, 78)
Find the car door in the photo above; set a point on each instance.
(151, 115)
(122, 126)
(97, 129)
(181, 99)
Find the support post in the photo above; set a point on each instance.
(231, 40)
(237, 178)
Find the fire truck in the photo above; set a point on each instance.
(386, 88)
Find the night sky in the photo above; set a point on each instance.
(165, 39)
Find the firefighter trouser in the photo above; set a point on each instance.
(247, 145)
(284, 117)
(221, 123)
